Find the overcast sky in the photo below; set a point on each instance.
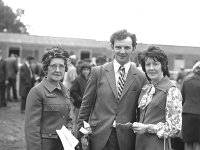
(170, 22)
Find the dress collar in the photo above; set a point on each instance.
(150, 90)
(163, 84)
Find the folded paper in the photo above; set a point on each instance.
(86, 129)
(68, 140)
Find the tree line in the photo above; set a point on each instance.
(10, 21)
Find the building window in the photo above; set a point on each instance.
(85, 55)
(14, 50)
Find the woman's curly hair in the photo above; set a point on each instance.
(54, 52)
(156, 53)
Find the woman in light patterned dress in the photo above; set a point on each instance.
(160, 104)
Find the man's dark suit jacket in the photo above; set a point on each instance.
(107, 108)
(11, 67)
(26, 82)
(3, 73)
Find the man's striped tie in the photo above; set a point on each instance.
(121, 82)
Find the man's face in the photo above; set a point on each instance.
(122, 50)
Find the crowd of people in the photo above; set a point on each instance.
(27, 75)
(128, 106)
(17, 79)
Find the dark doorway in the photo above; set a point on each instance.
(85, 55)
(14, 50)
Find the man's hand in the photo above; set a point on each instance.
(125, 125)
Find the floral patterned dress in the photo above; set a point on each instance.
(160, 105)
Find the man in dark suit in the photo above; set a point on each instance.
(27, 80)
(12, 69)
(3, 80)
(116, 93)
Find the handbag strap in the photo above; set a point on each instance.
(167, 141)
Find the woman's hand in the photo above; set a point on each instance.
(139, 128)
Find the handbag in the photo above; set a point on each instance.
(177, 143)
(174, 143)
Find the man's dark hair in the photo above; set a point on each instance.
(121, 35)
(101, 60)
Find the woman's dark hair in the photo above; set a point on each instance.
(54, 52)
(121, 35)
(85, 65)
(157, 54)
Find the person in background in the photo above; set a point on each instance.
(100, 60)
(77, 90)
(139, 57)
(79, 64)
(78, 67)
(191, 113)
(3, 80)
(27, 80)
(160, 104)
(180, 77)
(48, 106)
(38, 72)
(93, 61)
(115, 88)
(12, 69)
(71, 74)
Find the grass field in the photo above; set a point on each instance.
(11, 127)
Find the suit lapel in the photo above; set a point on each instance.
(110, 74)
(129, 80)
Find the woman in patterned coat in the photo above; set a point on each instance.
(160, 104)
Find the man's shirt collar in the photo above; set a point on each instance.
(117, 65)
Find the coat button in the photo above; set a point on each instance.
(63, 117)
